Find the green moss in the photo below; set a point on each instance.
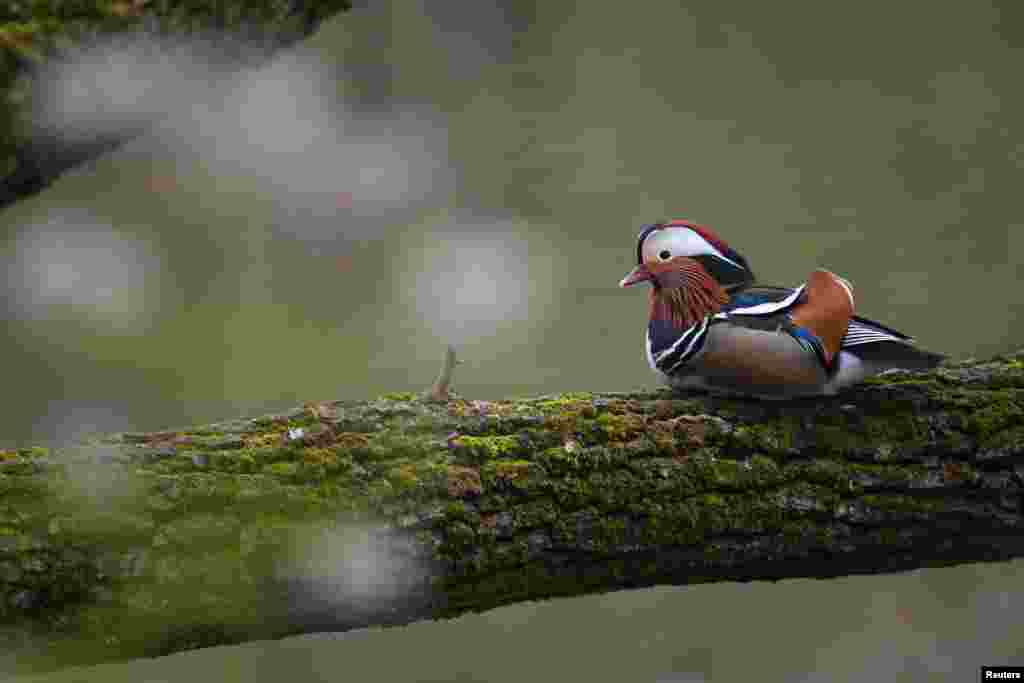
(899, 424)
(900, 503)
(558, 460)
(33, 452)
(19, 490)
(620, 428)
(1002, 410)
(393, 446)
(566, 401)
(898, 379)
(400, 396)
(268, 423)
(282, 469)
(114, 529)
(703, 472)
(246, 463)
(563, 404)
(775, 437)
(404, 478)
(803, 497)
(18, 467)
(456, 510)
(889, 475)
(513, 473)
(211, 433)
(535, 514)
(483, 448)
(1008, 439)
(303, 421)
(712, 499)
(332, 460)
(459, 535)
(205, 531)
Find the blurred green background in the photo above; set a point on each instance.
(420, 173)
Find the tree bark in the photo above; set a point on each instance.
(358, 513)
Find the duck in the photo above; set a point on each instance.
(711, 327)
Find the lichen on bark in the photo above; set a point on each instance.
(355, 513)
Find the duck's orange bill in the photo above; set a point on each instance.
(637, 275)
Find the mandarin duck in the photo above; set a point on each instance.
(711, 328)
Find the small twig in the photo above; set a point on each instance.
(442, 385)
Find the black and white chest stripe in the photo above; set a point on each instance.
(668, 349)
(668, 357)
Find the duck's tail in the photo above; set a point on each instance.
(890, 355)
(882, 348)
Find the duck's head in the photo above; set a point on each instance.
(691, 269)
(674, 254)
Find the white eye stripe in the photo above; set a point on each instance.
(679, 242)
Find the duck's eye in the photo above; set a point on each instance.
(665, 255)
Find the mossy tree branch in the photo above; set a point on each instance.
(39, 36)
(224, 533)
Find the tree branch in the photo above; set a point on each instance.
(30, 159)
(356, 513)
